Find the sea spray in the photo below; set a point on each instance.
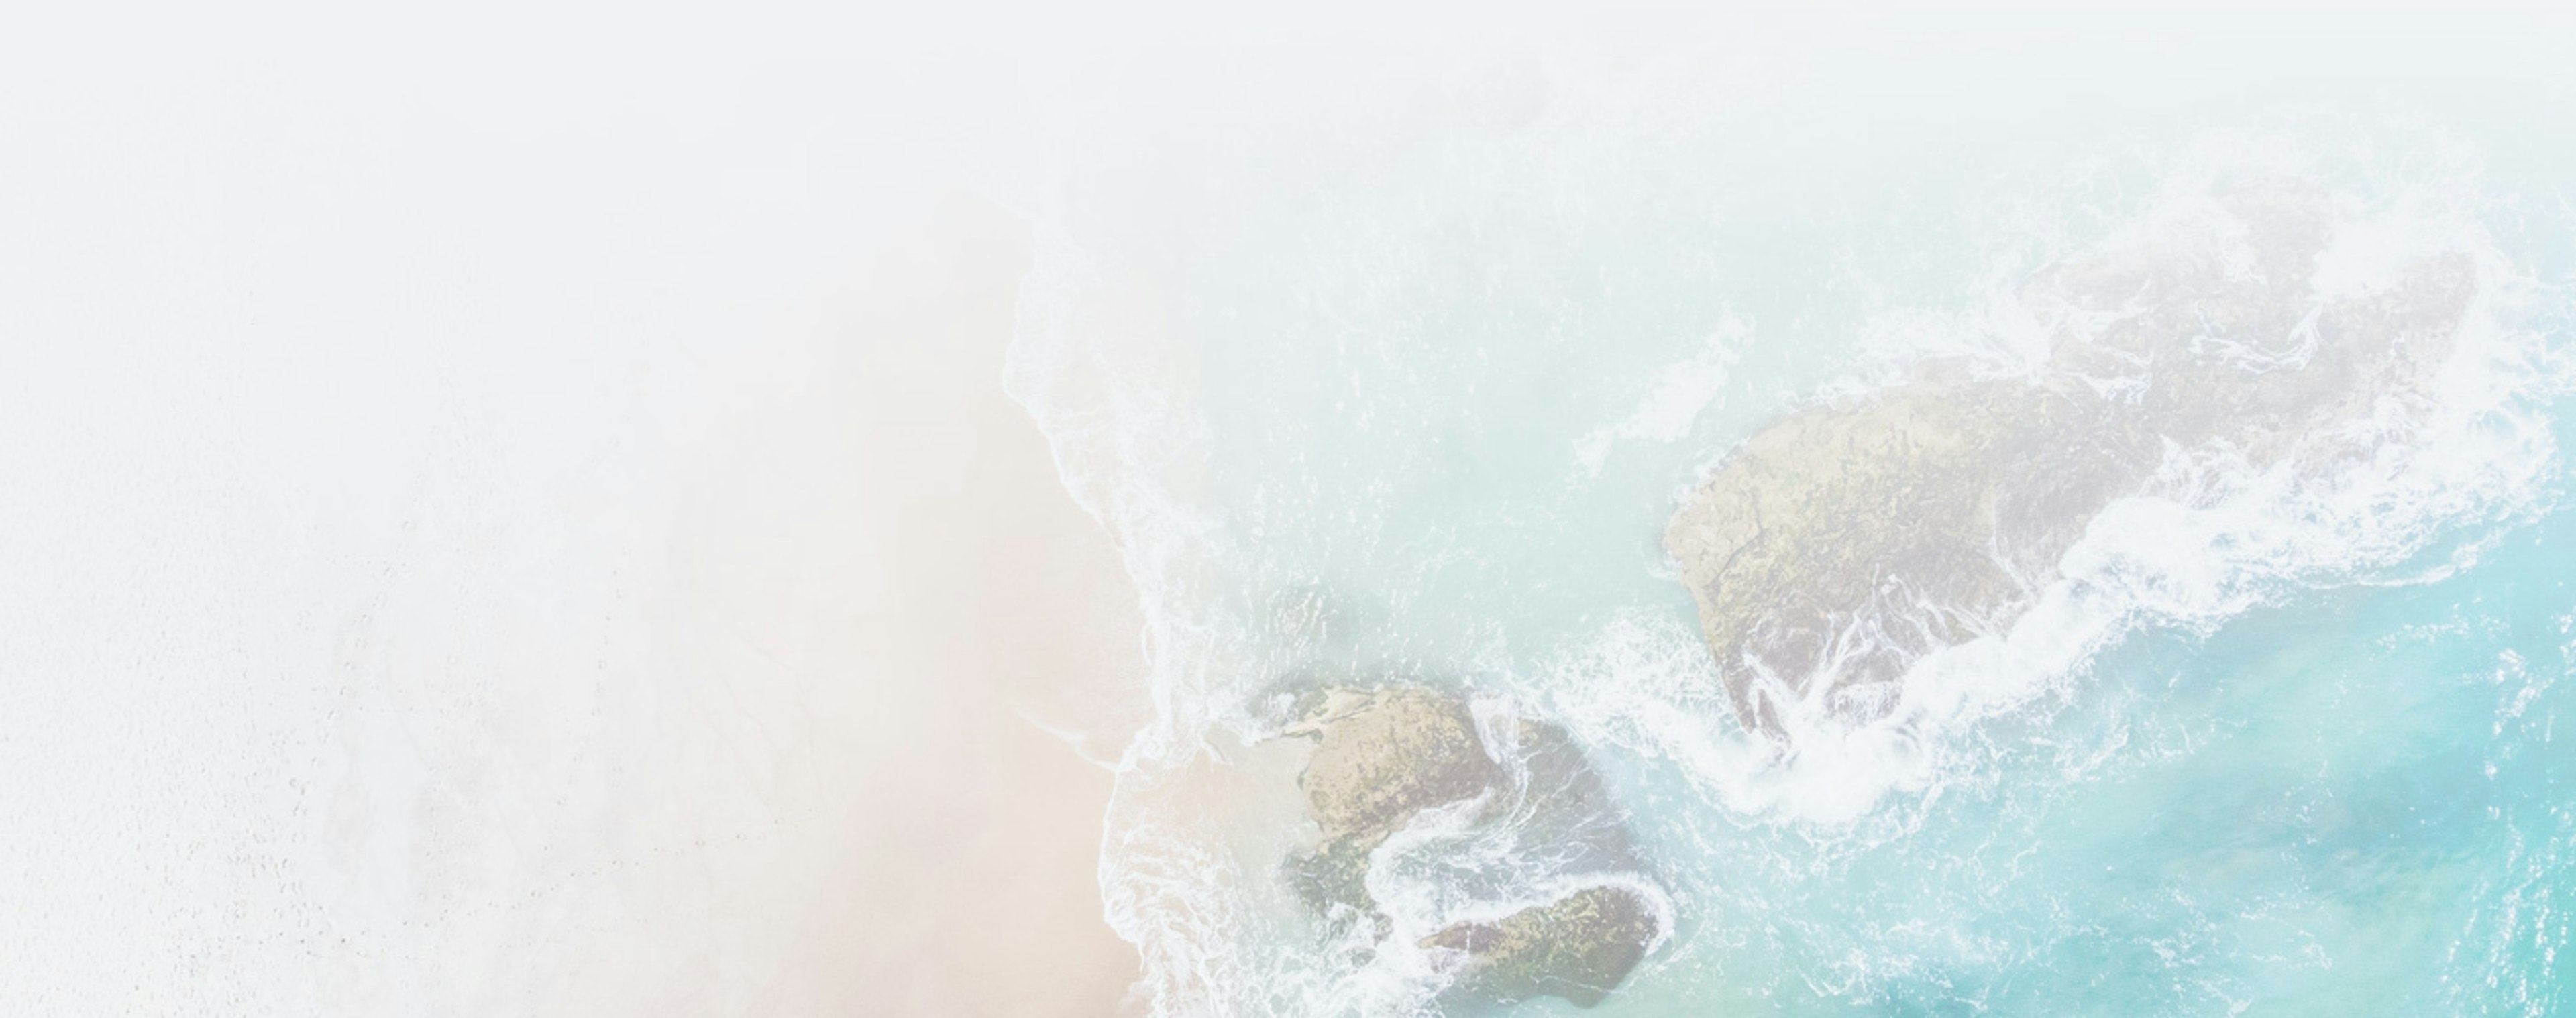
(1793, 857)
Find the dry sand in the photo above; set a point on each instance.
(899, 591)
(998, 597)
(508, 570)
(519, 516)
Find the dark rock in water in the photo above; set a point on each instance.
(1578, 947)
(1560, 803)
(1840, 544)
(1383, 756)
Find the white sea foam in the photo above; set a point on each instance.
(2403, 494)
(1680, 394)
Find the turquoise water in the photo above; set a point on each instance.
(1429, 412)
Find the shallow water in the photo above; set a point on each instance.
(2279, 741)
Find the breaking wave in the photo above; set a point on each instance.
(2413, 488)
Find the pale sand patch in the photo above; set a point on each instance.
(1009, 597)
(862, 818)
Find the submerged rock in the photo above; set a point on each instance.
(1838, 545)
(1385, 756)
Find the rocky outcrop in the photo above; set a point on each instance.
(1381, 756)
(1384, 756)
(1838, 545)
(1578, 947)
(1847, 540)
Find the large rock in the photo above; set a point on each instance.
(1843, 542)
(1383, 756)
(1838, 545)
(1578, 947)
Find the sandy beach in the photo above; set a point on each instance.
(891, 598)
(553, 543)
(892, 590)
(951, 869)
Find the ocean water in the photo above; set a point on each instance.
(2280, 738)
